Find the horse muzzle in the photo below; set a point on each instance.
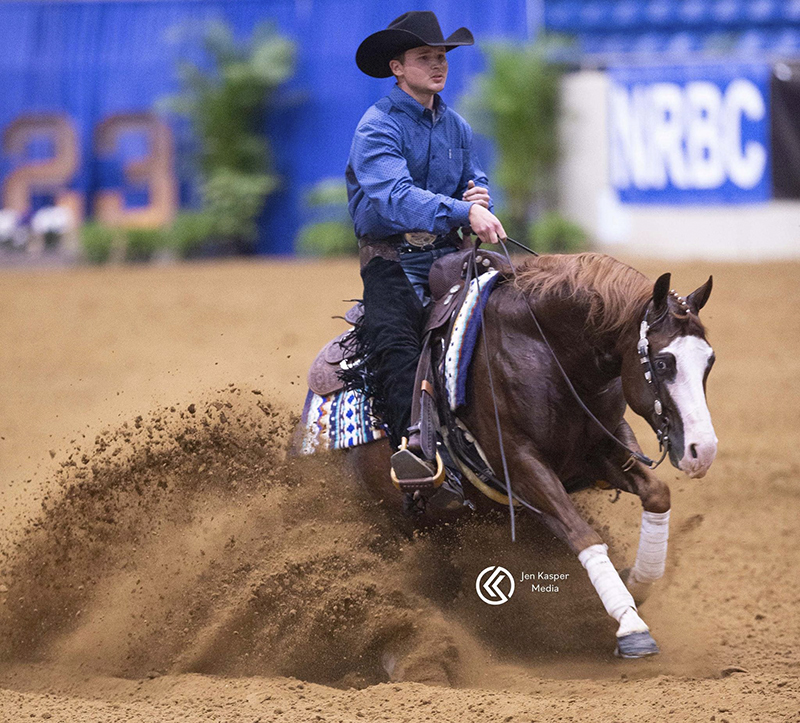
(692, 450)
(695, 454)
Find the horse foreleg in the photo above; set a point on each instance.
(557, 511)
(651, 555)
(633, 636)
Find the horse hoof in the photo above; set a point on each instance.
(636, 645)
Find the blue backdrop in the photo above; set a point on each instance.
(90, 60)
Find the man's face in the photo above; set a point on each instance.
(423, 70)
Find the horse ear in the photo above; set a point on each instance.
(697, 299)
(661, 292)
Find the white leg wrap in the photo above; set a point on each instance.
(651, 557)
(615, 597)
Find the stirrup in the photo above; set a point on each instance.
(410, 473)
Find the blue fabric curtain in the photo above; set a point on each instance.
(90, 60)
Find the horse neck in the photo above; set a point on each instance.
(591, 355)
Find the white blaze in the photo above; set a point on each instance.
(686, 389)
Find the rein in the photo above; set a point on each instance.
(643, 348)
(472, 272)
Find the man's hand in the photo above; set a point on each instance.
(485, 225)
(478, 194)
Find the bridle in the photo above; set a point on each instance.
(645, 357)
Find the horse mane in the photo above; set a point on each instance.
(613, 292)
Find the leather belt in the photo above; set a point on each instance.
(415, 241)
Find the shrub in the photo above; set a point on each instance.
(142, 243)
(227, 100)
(327, 238)
(97, 241)
(189, 232)
(234, 201)
(553, 233)
(330, 193)
(516, 103)
(331, 234)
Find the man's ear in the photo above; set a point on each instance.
(396, 67)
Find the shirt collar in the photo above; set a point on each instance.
(413, 108)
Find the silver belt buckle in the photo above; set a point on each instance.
(419, 238)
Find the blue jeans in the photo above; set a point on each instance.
(417, 266)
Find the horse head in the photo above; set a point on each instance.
(665, 382)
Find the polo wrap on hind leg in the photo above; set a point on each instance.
(651, 557)
(615, 597)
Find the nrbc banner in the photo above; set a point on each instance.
(693, 134)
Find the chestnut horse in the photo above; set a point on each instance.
(609, 329)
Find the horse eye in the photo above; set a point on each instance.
(661, 365)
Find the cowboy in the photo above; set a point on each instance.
(412, 182)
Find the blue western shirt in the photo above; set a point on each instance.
(408, 168)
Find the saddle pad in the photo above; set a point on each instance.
(339, 420)
(462, 340)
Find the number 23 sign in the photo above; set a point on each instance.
(55, 174)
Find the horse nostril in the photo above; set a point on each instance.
(693, 450)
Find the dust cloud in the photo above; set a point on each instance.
(189, 541)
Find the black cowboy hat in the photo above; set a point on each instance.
(410, 30)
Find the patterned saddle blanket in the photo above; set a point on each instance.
(339, 418)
